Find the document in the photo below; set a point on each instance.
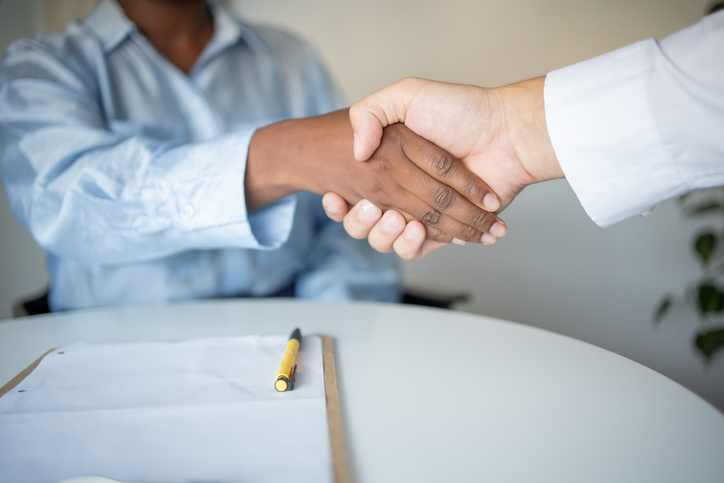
(190, 411)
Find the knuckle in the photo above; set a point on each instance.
(439, 237)
(355, 109)
(432, 218)
(474, 190)
(407, 82)
(442, 164)
(480, 219)
(435, 234)
(469, 233)
(444, 198)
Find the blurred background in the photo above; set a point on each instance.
(555, 269)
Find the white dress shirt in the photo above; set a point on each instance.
(643, 124)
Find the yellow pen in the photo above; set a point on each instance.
(288, 371)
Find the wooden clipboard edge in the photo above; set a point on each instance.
(22, 375)
(334, 415)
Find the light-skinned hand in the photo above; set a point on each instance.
(499, 133)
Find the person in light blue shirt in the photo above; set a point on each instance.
(127, 172)
(127, 148)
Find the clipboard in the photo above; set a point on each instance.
(333, 412)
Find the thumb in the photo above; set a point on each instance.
(367, 126)
(370, 115)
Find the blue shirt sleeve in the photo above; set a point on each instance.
(117, 193)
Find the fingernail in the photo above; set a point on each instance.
(412, 233)
(331, 207)
(367, 211)
(488, 239)
(491, 202)
(390, 224)
(458, 241)
(498, 229)
(356, 146)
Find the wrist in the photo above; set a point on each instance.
(524, 115)
(274, 163)
(296, 155)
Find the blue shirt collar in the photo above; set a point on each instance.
(109, 23)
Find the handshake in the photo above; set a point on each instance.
(461, 156)
(435, 163)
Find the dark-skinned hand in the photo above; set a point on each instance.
(406, 172)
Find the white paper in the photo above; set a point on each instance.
(193, 411)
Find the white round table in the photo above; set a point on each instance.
(435, 395)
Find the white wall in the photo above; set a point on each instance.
(555, 269)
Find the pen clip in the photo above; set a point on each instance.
(293, 378)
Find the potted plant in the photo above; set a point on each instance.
(705, 294)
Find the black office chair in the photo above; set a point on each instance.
(439, 300)
(33, 306)
(39, 305)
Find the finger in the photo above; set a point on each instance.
(433, 234)
(499, 229)
(384, 107)
(449, 227)
(452, 213)
(452, 172)
(361, 218)
(412, 245)
(431, 201)
(488, 239)
(384, 233)
(335, 206)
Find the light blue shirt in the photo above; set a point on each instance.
(130, 173)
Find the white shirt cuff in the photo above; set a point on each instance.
(603, 132)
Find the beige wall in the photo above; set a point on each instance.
(55, 14)
(485, 42)
(555, 269)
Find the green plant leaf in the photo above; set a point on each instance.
(705, 245)
(705, 208)
(710, 342)
(710, 299)
(664, 307)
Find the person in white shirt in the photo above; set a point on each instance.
(629, 130)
